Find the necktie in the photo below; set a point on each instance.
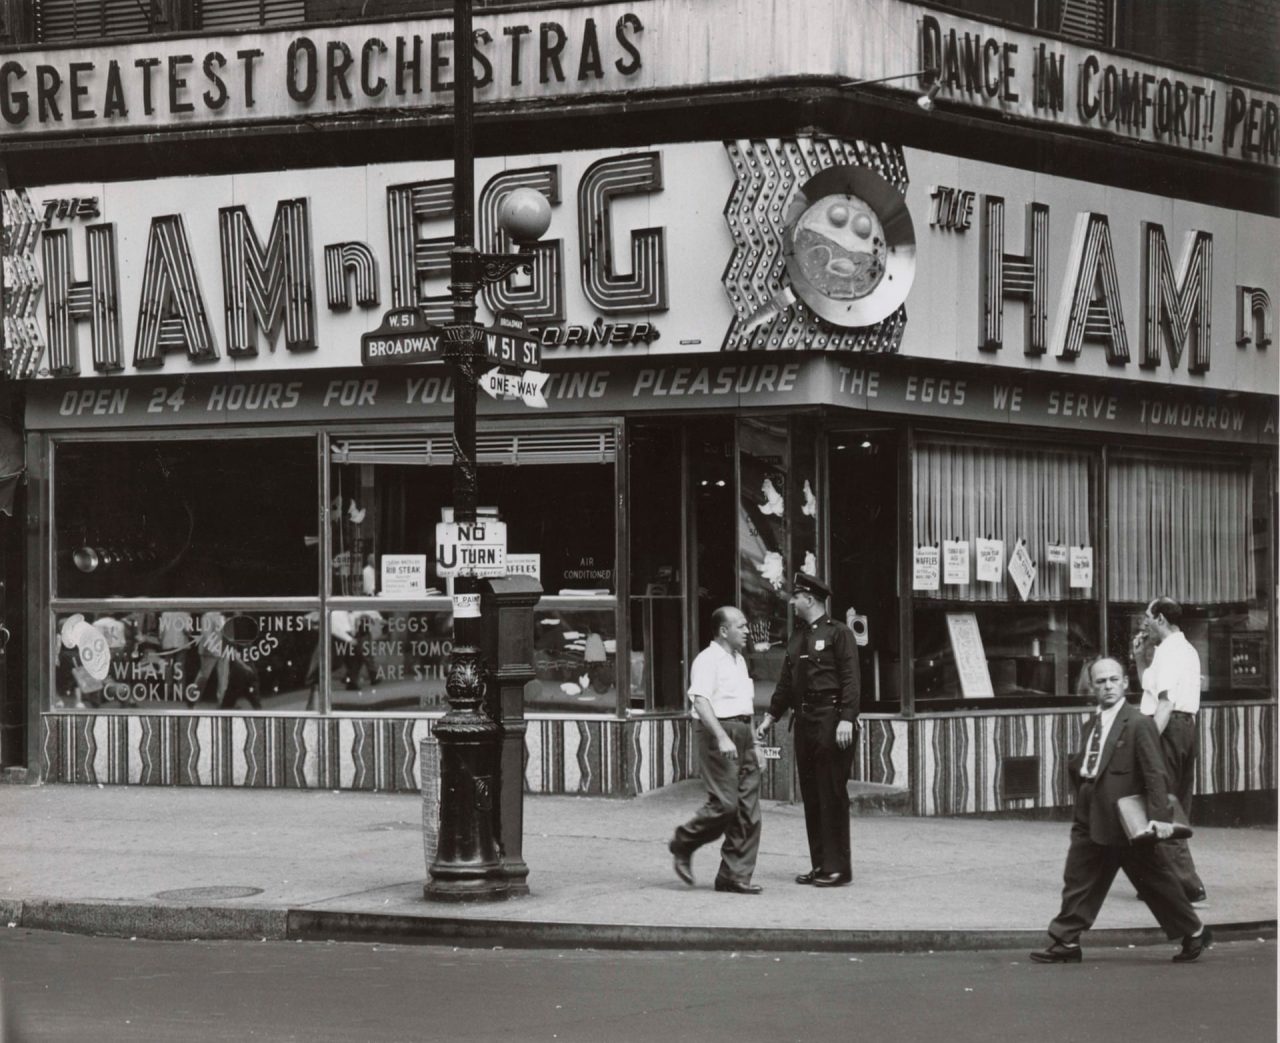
(1094, 753)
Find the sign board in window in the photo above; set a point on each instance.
(525, 565)
(970, 656)
(475, 549)
(404, 574)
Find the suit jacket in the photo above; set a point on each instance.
(1131, 762)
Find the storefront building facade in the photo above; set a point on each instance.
(966, 363)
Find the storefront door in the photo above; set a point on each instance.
(863, 510)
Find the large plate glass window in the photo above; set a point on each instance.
(1194, 530)
(186, 574)
(554, 491)
(983, 517)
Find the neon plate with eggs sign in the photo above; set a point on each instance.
(849, 246)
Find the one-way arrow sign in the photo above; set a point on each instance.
(525, 386)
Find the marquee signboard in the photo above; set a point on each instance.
(783, 246)
(876, 387)
(1050, 275)
(592, 50)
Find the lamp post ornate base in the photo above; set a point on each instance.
(468, 863)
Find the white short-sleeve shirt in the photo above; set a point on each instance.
(722, 679)
(1175, 668)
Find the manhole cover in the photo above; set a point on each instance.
(208, 894)
(382, 827)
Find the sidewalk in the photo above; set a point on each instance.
(225, 863)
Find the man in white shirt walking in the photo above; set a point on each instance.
(1169, 667)
(723, 698)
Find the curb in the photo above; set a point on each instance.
(222, 923)
(155, 922)
(311, 925)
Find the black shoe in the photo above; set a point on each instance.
(680, 862)
(734, 887)
(1199, 899)
(1193, 945)
(809, 877)
(1058, 953)
(832, 879)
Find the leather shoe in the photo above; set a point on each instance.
(680, 862)
(832, 879)
(737, 888)
(1058, 953)
(1193, 945)
(809, 877)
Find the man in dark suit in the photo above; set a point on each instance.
(1122, 757)
(819, 685)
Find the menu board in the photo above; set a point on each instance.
(970, 656)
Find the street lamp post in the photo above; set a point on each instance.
(468, 862)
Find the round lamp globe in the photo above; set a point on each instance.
(524, 214)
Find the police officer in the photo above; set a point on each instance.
(819, 685)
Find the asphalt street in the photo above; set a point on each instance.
(67, 987)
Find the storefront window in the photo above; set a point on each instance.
(225, 518)
(575, 655)
(391, 638)
(207, 658)
(1003, 584)
(556, 498)
(389, 659)
(1195, 530)
(765, 511)
(165, 556)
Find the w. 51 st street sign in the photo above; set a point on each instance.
(406, 336)
(508, 343)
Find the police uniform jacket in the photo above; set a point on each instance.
(820, 668)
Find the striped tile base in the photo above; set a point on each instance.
(599, 758)
(952, 764)
(956, 760)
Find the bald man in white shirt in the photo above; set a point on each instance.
(1169, 667)
(723, 698)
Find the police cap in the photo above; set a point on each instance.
(803, 583)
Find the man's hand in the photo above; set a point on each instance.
(726, 746)
(844, 734)
(1162, 830)
(763, 726)
(1142, 651)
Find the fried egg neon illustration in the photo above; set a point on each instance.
(849, 246)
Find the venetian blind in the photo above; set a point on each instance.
(57, 20)
(593, 445)
(1180, 529)
(246, 14)
(967, 492)
(1085, 20)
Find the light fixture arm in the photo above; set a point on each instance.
(930, 73)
